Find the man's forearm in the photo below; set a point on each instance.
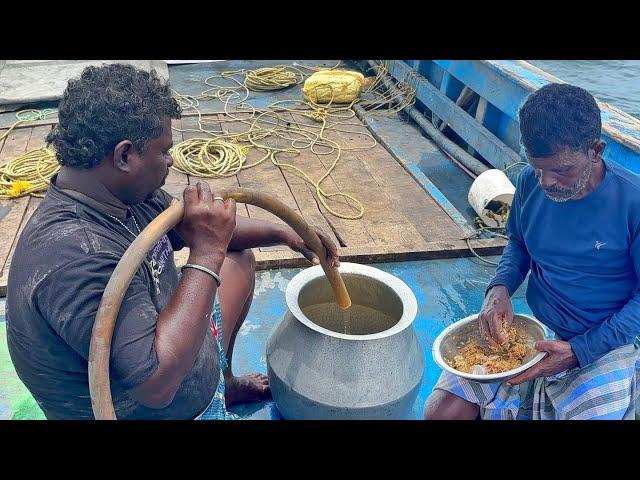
(513, 267)
(253, 233)
(620, 329)
(180, 331)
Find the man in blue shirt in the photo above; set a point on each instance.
(575, 227)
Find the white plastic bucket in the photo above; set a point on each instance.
(491, 185)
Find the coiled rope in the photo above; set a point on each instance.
(28, 174)
(219, 156)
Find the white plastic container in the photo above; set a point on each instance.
(491, 188)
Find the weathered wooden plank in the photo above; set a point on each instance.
(7, 120)
(38, 137)
(406, 197)
(12, 211)
(305, 198)
(389, 253)
(191, 123)
(434, 216)
(380, 253)
(382, 220)
(349, 232)
(375, 254)
(176, 181)
(264, 177)
(15, 144)
(32, 205)
(215, 183)
(36, 140)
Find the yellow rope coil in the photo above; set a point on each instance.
(272, 78)
(28, 174)
(209, 157)
(266, 131)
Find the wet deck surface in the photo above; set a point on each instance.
(446, 290)
(402, 221)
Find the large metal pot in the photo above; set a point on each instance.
(316, 371)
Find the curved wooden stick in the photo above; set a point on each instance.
(102, 333)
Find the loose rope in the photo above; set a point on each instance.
(219, 156)
(28, 174)
(28, 115)
(225, 154)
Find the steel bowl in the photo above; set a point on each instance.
(457, 335)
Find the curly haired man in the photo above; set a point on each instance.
(173, 341)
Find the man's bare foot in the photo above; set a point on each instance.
(251, 387)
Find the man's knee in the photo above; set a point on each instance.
(443, 405)
(245, 259)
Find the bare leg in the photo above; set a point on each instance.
(236, 293)
(443, 405)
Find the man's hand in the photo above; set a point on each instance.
(496, 310)
(293, 241)
(560, 357)
(207, 224)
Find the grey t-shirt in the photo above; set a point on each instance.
(62, 263)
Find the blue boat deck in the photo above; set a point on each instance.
(446, 290)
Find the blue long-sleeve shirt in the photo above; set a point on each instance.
(584, 259)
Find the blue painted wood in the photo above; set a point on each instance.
(433, 73)
(438, 196)
(446, 291)
(500, 90)
(505, 84)
(426, 184)
(481, 139)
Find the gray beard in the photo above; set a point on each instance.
(579, 187)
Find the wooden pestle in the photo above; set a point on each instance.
(102, 333)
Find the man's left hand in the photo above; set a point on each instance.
(560, 357)
(293, 241)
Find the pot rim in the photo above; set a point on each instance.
(406, 296)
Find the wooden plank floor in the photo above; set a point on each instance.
(401, 221)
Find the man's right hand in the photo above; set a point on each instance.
(496, 311)
(207, 225)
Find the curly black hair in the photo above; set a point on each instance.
(559, 116)
(106, 105)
